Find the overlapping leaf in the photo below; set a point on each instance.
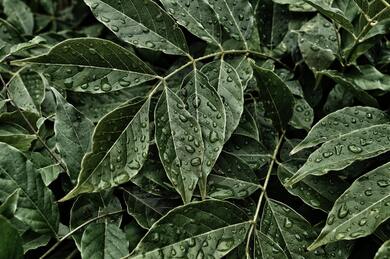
(11, 242)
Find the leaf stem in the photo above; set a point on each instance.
(263, 193)
(70, 233)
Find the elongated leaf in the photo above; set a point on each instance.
(180, 145)
(120, 144)
(277, 98)
(384, 251)
(225, 79)
(194, 230)
(27, 90)
(91, 65)
(10, 204)
(205, 105)
(146, 208)
(19, 14)
(288, 229)
(236, 17)
(266, 247)
(233, 179)
(73, 134)
(318, 43)
(36, 205)
(141, 23)
(11, 245)
(341, 122)
(197, 17)
(16, 136)
(90, 206)
(342, 151)
(332, 13)
(360, 209)
(9, 36)
(103, 241)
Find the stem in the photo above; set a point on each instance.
(263, 193)
(57, 160)
(77, 229)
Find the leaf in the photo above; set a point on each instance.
(141, 23)
(265, 246)
(10, 204)
(103, 240)
(19, 14)
(243, 66)
(120, 144)
(288, 229)
(27, 90)
(16, 136)
(11, 243)
(225, 79)
(341, 122)
(317, 40)
(342, 151)
(91, 206)
(233, 179)
(36, 205)
(277, 98)
(384, 251)
(209, 227)
(9, 36)
(180, 146)
(236, 17)
(145, 208)
(247, 126)
(205, 105)
(303, 114)
(360, 209)
(73, 134)
(197, 17)
(50, 173)
(91, 65)
(332, 13)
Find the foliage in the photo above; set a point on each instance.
(195, 129)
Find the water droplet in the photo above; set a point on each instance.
(225, 244)
(114, 28)
(383, 183)
(149, 44)
(213, 137)
(105, 19)
(368, 192)
(287, 223)
(134, 164)
(363, 222)
(190, 149)
(106, 87)
(343, 211)
(183, 118)
(327, 154)
(354, 149)
(196, 161)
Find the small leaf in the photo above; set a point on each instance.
(277, 98)
(10, 204)
(383, 251)
(340, 152)
(50, 173)
(194, 230)
(341, 122)
(303, 114)
(73, 134)
(16, 136)
(360, 209)
(120, 144)
(19, 14)
(267, 247)
(141, 23)
(11, 243)
(180, 145)
(91, 65)
(205, 105)
(225, 79)
(103, 241)
(247, 126)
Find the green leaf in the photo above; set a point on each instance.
(233, 179)
(341, 122)
(247, 126)
(36, 205)
(50, 173)
(360, 209)
(265, 247)
(303, 114)
(141, 23)
(179, 140)
(197, 229)
(91, 65)
(342, 151)
(120, 144)
(332, 13)
(236, 17)
(206, 106)
(11, 243)
(9, 36)
(27, 90)
(10, 204)
(197, 17)
(225, 79)
(73, 134)
(145, 208)
(16, 136)
(103, 241)
(288, 229)
(277, 98)
(243, 66)
(317, 41)
(383, 251)
(91, 206)
(19, 14)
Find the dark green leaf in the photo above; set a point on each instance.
(10, 204)
(383, 251)
(19, 14)
(11, 243)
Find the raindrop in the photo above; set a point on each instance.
(363, 222)
(134, 165)
(354, 149)
(287, 223)
(190, 149)
(196, 161)
(149, 44)
(213, 137)
(368, 192)
(106, 87)
(343, 211)
(383, 183)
